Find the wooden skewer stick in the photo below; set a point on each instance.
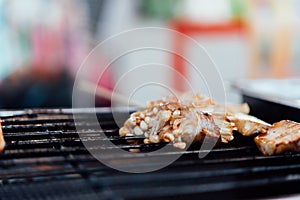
(90, 87)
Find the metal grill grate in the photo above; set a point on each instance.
(45, 159)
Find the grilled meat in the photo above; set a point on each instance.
(283, 136)
(180, 121)
(191, 118)
(230, 108)
(248, 125)
(239, 108)
(226, 127)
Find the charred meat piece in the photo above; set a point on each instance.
(283, 136)
(248, 125)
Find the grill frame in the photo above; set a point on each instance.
(45, 158)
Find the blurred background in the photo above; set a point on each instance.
(43, 42)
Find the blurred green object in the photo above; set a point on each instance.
(158, 9)
(238, 8)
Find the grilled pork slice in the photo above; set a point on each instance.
(2, 142)
(248, 125)
(283, 136)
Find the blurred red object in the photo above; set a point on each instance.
(191, 28)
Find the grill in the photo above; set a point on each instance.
(44, 158)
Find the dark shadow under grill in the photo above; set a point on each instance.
(44, 158)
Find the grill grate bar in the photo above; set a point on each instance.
(256, 167)
(172, 173)
(241, 190)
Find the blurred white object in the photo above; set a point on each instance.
(270, 37)
(212, 11)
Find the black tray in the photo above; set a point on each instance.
(272, 100)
